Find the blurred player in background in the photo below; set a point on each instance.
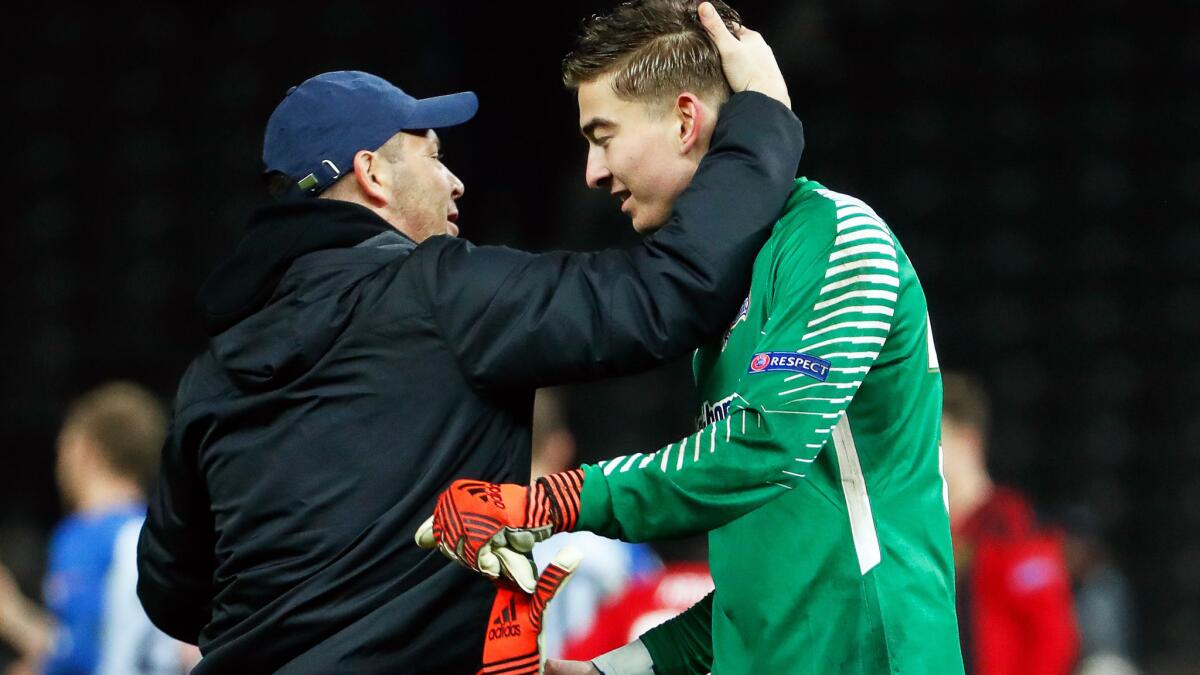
(108, 450)
(1014, 593)
(816, 469)
(611, 566)
(1104, 604)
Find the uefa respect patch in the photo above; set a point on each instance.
(795, 362)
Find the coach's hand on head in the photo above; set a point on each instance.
(746, 58)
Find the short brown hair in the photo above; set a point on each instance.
(126, 422)
(965, 402)
(654, 50)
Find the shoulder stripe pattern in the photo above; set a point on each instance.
(855, 294)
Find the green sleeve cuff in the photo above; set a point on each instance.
(683, 645)
(595, 504)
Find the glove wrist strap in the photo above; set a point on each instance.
(555, 499)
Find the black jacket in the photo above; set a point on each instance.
(352, 375)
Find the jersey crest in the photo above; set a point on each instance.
(741, 316)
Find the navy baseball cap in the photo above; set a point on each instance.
(321, 124)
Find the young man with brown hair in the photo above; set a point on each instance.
(816, 467)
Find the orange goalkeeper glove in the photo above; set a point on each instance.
(491, 528)
(512, 644)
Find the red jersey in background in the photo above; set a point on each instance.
(644, 605)
(1014, 593)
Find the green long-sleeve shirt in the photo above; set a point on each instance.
(817, 466)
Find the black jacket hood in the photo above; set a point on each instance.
(270, 320)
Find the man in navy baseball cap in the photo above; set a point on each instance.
(319, 127)
(348, 155)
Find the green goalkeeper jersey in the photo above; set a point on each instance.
(816, 469)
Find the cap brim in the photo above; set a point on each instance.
(437, 112)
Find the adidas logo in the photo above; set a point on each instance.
(486, 492)
(505, 624)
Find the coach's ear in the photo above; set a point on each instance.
(690, 115)
(369, 168)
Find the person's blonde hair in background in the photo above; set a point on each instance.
(108, 450)
(109, 446)
(966, 417)
(553, 443)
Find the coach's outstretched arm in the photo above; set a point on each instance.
(518, 319)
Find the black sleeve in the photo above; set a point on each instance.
(521, 319)
(175, 550)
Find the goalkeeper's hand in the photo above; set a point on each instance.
(512, 643)
(491, 528)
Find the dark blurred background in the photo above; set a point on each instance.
(1039, 162)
